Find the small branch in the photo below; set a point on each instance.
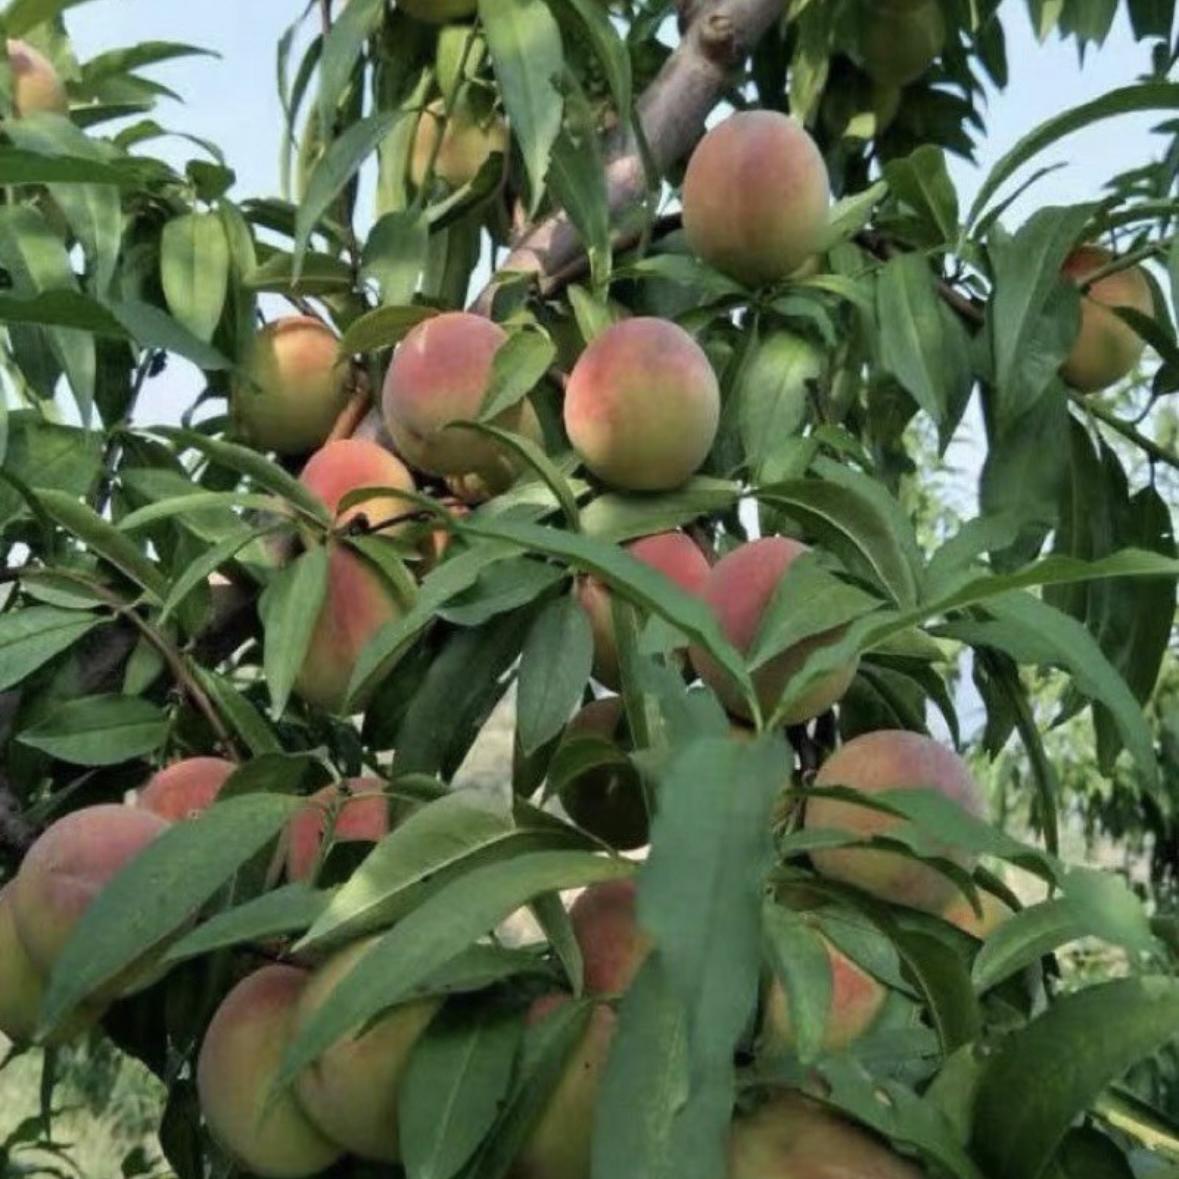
(971, 311)
(114, 445)
(354, 412)
(1157, 453)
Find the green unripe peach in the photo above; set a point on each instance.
(437, 12)
(890, 760)
(1106, 348)
(899, 39)
(642, 405)
(21, 986)
(260, 1125)
(186, 787)
(350, 1093)
(295, 386)
(466, 144)
(676, 556)
(349, 464)
(792, 1137)
(740, 589)
(756, 197)
(36, 86)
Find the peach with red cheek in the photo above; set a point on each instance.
(185, 788)
(440, 374)
(642, 405)
(739, 590)
(356, 811)
(259, 1124)
(1106, 348)
(350, 464)
(676, 556)
(295, 386)
(756, 197)
(357, 604)
(876, 762)
(613, 946)
(36, 85)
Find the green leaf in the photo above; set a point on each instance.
(319, 274)
(520, 363)
(619, 517)
(1043, 1076)
(423, 941)
(243, 717)
(554, 669)
(286, 910)
(382, 328)
(525, 46)
(197, 572)
(194, 270)
(774, 390)
(29, 638)
(290, 609)
(341, 48)
(609, 48)
(457, 1079)
(922, 181)
(103, 539)
(195, 503)
(338, 165)
(577, 177)
(99, 730)
(158, 891)
(1146, 96)
(944, 984)
(154, 328)
(504, 586)
(803, 967)
(395, 256)
(22, 16)
(67, 309)
(922, 344)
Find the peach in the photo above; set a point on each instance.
(296, 385)
(642, 405)
(359, 602)
(350, 1093)
(994, 912)
(740, 589)
(756, 197)
(260, 1125)
(889, 760)
(792, 1137)
(466, 144)
(561, 1141)
(349, 464)
(356, 812)
(65, 870)
(1106, 348)
(185, 788)
(21, 985)
(440, 374)
(437, 12)
(856, 1000)
(478, 487)
(899, 39)
(676, 556)
(36, 85)
(607, 800)
(606, 926)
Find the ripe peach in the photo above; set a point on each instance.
(359, 602)
(676, 556)
(349, 464)
(560, 1144)
(36, 85)
(466, 144)
(1106, 349)
(295, 388)
(994, 912)
(791, 1137)
(740, 589)
(756, 197)
(856, 1000)
(440, 374)
(642, 405)
(356, 811)
(262, 1127)
(613, 946)
(890, 760)
(68, 866)
(185, 788)
(437, 12)
(350, 1093)
(899, 39)
(606, 800)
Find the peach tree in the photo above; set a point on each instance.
(593, 372)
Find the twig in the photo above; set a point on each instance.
(970, 310)
(354, 412)
(1092, 406)
(114, 444)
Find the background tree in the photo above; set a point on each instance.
(563, 396)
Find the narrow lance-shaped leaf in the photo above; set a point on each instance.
(290, 610)
(194, 270)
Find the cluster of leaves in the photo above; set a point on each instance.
(117, 653)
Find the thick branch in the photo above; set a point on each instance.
(717, 37)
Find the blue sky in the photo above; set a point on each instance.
(233, 101)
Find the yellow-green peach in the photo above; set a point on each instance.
(466, 144)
